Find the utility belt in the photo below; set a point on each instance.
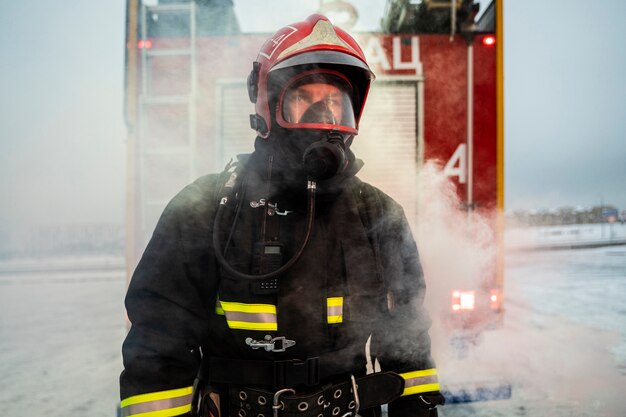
(338, 399)
(342, 399)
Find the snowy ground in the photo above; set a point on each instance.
(60, 338)
(563, 345)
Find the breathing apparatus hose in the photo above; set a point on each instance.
(311, 188)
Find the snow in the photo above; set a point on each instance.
(60, 339)
(562, 346)
(563, 343)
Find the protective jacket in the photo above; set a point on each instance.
(352, 303)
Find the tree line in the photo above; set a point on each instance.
(566, 215)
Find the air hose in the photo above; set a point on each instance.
(311, 187)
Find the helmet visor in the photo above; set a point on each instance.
(318, 101)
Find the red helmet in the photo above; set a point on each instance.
(308, 52)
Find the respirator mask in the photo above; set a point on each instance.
(316, 112)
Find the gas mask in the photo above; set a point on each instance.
(316, 113)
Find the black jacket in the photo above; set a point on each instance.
(359, 281)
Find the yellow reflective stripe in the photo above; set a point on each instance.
(418, 389)
(170, 412)
(335, 319)
(416, 382)
(248, 308)
(155, 396)
(246, 325)
(334, 309)
(334, 301)
(158, 404)
(218, 308)
(417, 374)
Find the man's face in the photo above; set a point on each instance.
(327, 98)
(310, 106)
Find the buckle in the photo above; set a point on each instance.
(276, 344)
(276, 406)
(290, 373)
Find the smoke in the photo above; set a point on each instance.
(556, 345)
(457, 247)
(458, 252)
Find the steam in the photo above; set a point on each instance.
(554, 363)
(457, 248)
(458, 252)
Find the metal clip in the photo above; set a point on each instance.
(276, 407)
(255, 204)
(276, 344)
(282, 213)
(272, 207)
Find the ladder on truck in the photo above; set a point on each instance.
(166, 135)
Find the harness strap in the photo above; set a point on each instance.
(331, 400)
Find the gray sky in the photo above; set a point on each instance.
(62, 150)
(565, 91)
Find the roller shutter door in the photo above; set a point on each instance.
(387, 141)
(234, 133)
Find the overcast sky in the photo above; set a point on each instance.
(62, 149)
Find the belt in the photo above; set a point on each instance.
(279, 374)
(330, 400)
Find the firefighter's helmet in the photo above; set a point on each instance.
(308, 53)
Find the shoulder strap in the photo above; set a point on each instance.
(371, 211)
(200, 393)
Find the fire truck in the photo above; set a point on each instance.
(437, 99)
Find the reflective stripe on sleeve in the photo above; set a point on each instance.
(218, 308)
(250, 316)
(417, 382)
(169, 403)
(334, 309)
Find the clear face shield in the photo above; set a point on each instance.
(317, 100)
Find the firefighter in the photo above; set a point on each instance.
(284, 286)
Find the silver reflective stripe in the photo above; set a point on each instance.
(260, 317)
(335, 311)
(420, 381)
(177, 406)
(250, 317)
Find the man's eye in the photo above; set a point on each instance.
(296, 98)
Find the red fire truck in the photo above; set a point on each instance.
(437, 97)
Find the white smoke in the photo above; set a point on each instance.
(458, 252)
(554, 364)
(457, 247)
